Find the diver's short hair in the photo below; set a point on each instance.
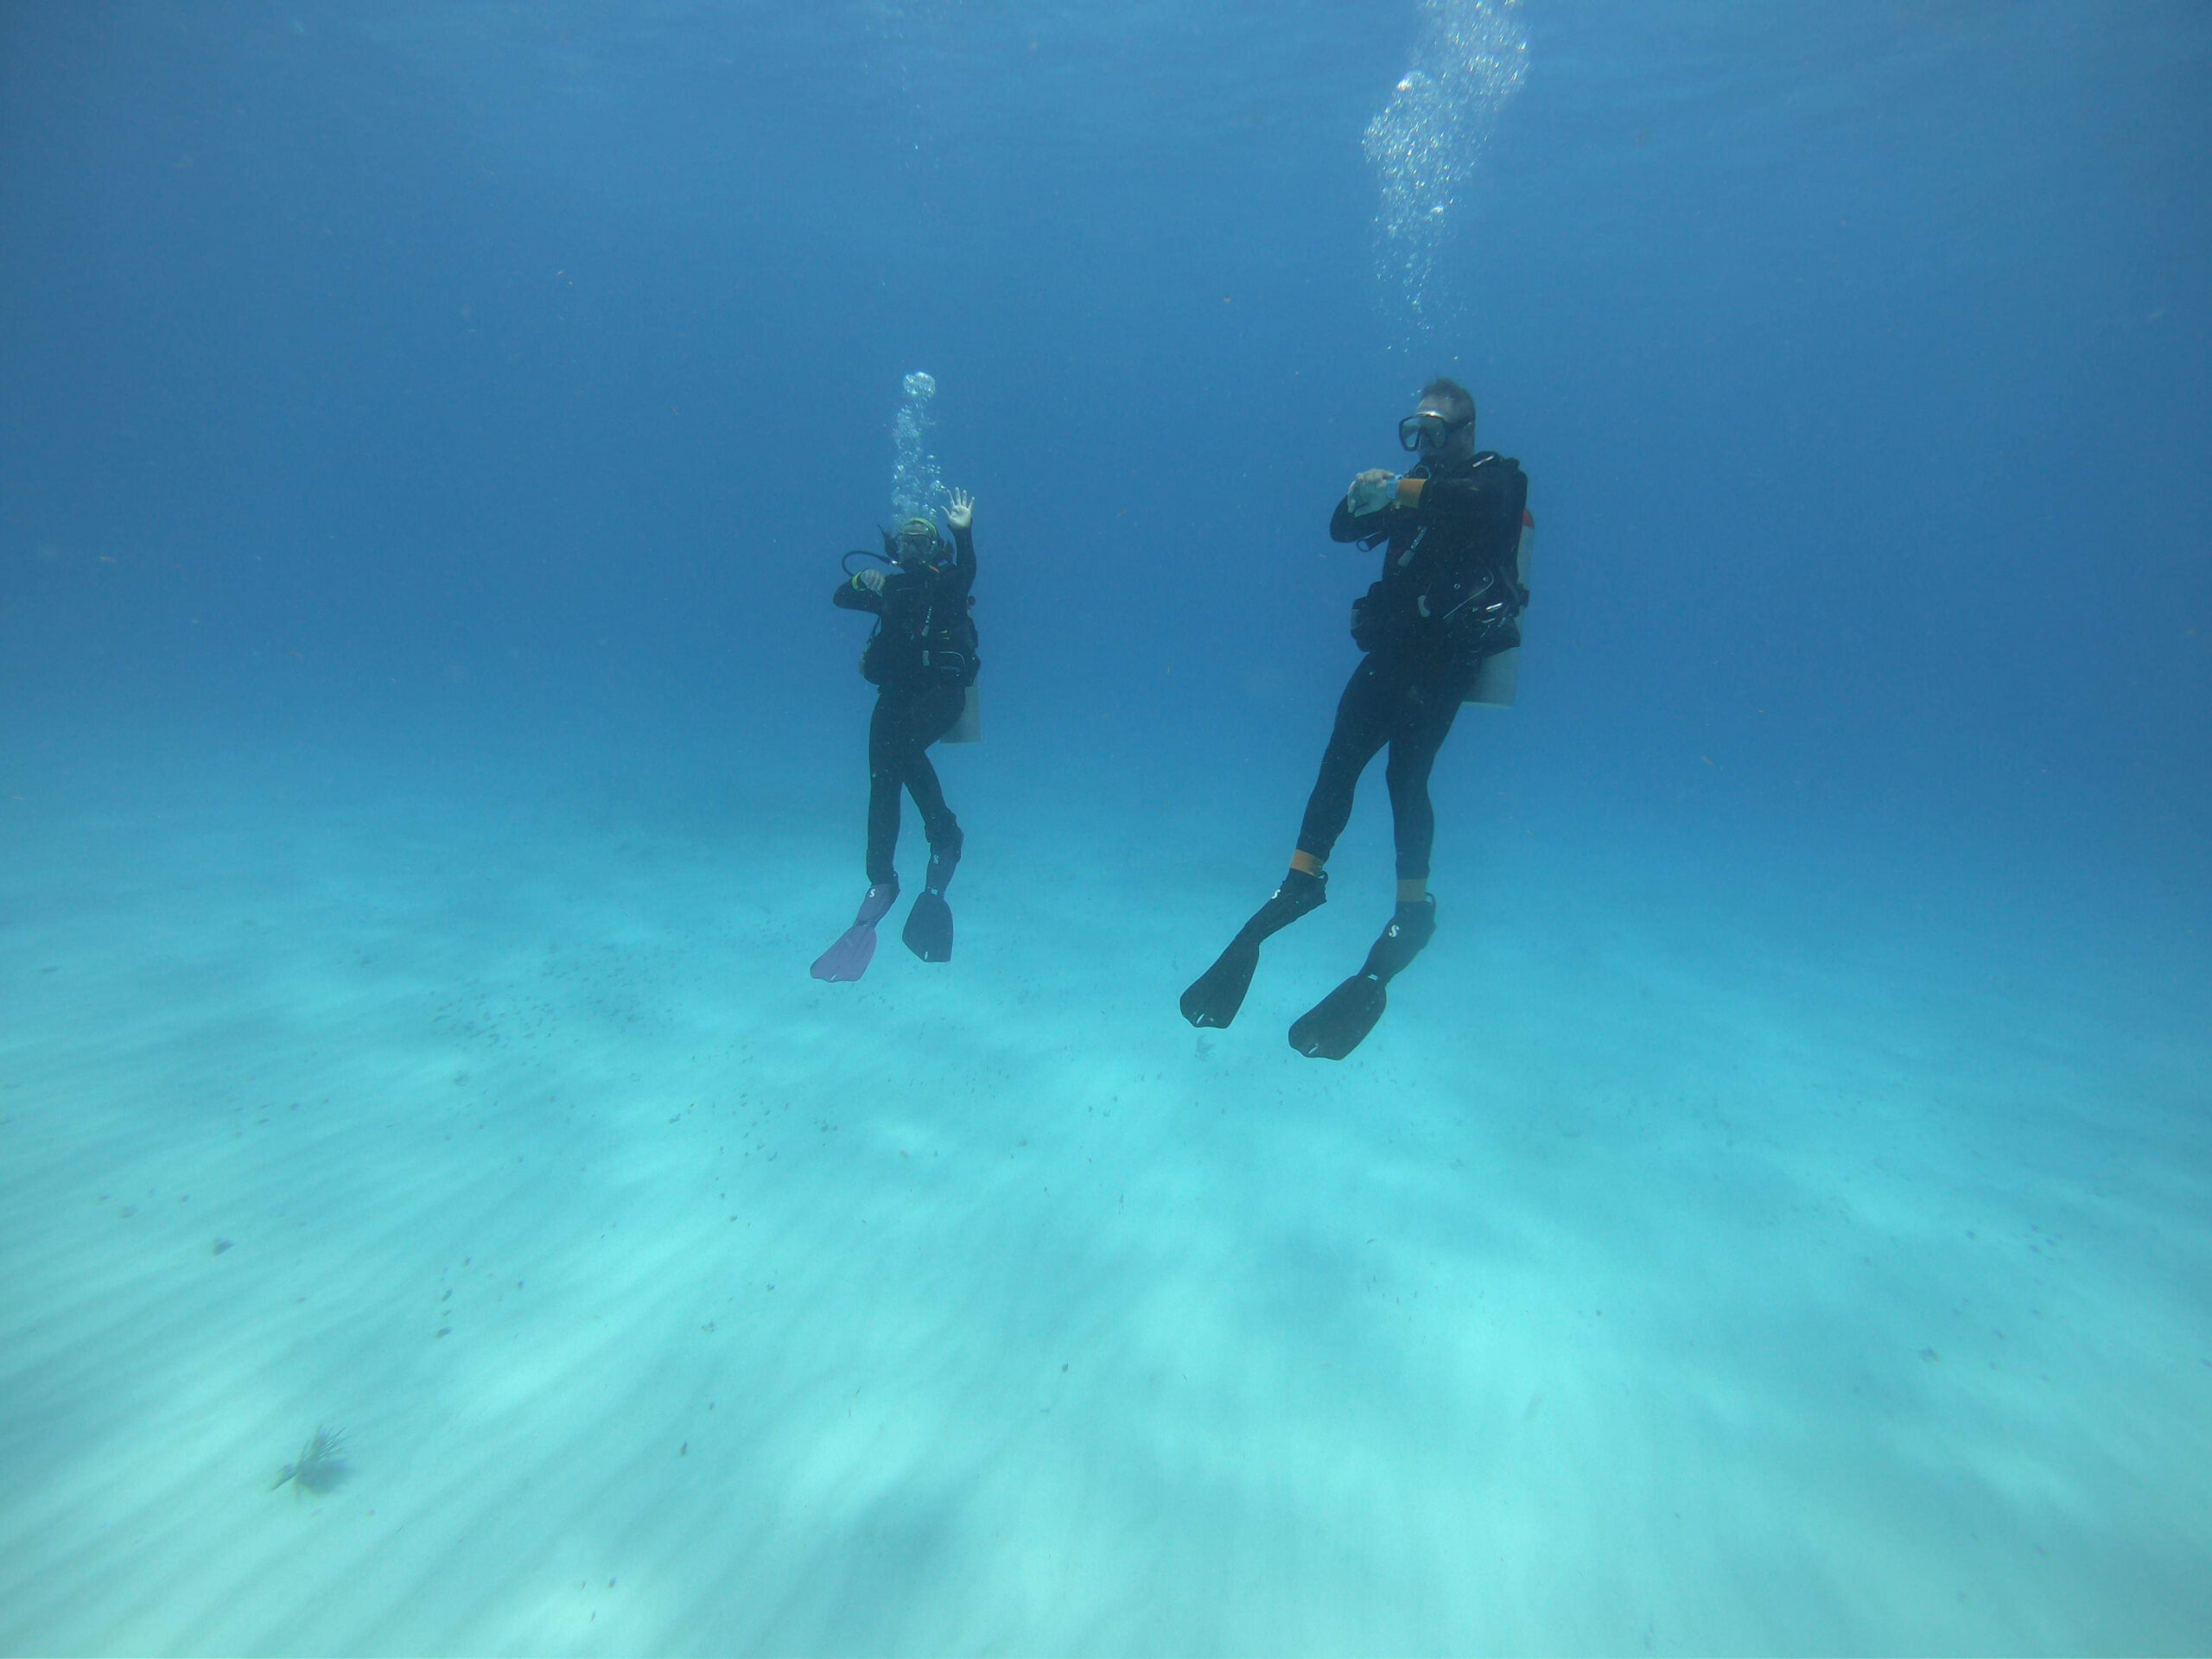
(1445, 391)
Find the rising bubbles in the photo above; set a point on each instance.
(1471, 56)
(917, 484)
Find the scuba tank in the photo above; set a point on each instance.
(1499, 675)
(968, 729)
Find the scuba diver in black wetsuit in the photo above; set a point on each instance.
(922, 659)
(1449, 597)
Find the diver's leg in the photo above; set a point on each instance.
(1364, 715)
(1336, 1024)
(929, 924)
(1424, 721)
(1363, 724)
(935, 715)
(848, 959)
(887, 746)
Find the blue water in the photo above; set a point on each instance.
(1770, 1217)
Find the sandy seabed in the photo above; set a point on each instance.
(1658, 1277)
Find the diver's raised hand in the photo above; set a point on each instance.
(871, 580)
(1370, 491)
(961, 512)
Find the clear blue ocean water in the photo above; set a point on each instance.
(1770, 1216)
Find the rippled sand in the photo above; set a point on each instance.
(1660, 1275)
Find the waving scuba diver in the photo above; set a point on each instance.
(921, 658)
(1450, 596)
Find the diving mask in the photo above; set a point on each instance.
(915, 542)
(1426, 432)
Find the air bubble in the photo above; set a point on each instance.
(1424, 144)
(917, 483)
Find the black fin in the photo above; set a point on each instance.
(848, 958)
(1340, 1022)
(928, 932)
(1216, 995)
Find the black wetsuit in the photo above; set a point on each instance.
(1449, 595)
(922, 660)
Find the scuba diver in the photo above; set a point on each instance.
(1450, 596)
(921, 658)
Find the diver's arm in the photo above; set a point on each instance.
(1345, 525)
(1363, 510)
(1486, 493)
(960, 518)
(855, 594)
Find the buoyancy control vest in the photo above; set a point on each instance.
(925, 633)
(1455, 582)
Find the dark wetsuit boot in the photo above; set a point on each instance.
(929, 924)
(1217, 994)
(1339, 1021)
